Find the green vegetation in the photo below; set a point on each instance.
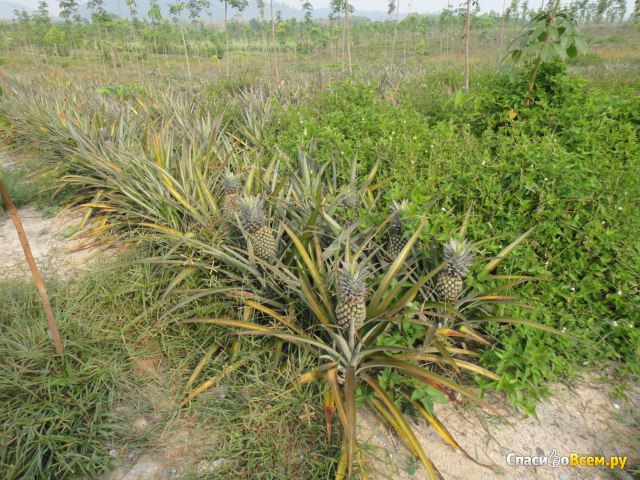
(310, 232)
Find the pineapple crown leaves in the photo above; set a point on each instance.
(399, 208)
(458, 254)
(252, 215)
(230, 183)
(352, 286)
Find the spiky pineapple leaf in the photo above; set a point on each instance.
(311, 267)
(212, 350)
(404, 427)
(524, 321)
(489, 267)
(393, 270)
(423, 375)
(445, 435)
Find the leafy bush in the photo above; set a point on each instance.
(122, 91)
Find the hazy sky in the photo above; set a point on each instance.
(420, 6)
(424, 6)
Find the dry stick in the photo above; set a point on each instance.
(37, 278)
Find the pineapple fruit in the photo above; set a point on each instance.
(395, 239)
(458, 256)
(352, 296)
(252, 219)
(231, 187)
(349, 202)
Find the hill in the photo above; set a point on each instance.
(7, 8)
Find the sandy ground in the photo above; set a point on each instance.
(50, 240)
(583, 420)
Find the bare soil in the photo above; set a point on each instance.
(582, 420)
(50, 240)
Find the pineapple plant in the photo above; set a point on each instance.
(252, 220)
(395, 240)
(352, 295)
(231, 187)
(349, 202)
(458, 256)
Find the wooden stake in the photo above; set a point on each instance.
(37, 278)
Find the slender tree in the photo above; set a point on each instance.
(133, 12)
(307, 8)
(404, 45)
(601, 9)
(68, 8)
(99, 17)
(273, 40)
(155, 16)
(42, 18)
(347, 30)
(176, 10)
(466, 46)
(619, 8)
(69, 11)
(395, 29)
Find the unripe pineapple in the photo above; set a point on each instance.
(395, 239)
(252, 219)
(352, 296)
(458, 256)
(349, 202)
(350, 199)
(231, 187)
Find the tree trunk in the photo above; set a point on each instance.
(404, 48)
(273, 40)
(466, 47)
(226, 33)
(504, 4)
(184, 43)
(395, 33)
(37, 278)
(347, 37)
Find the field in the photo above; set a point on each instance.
(271, 250)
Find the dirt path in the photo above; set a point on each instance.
(49, 239)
